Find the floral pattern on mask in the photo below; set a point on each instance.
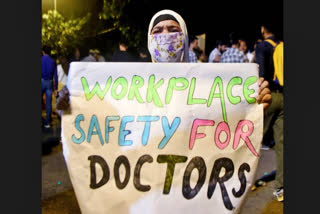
(168, 47)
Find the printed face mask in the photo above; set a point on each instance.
(168, 47)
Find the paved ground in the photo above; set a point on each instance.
(58, 196)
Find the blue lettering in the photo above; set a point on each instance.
(146, 131)
(110, 128)
(94, 123)
(123, 133)
(79, 118)
(168, 130)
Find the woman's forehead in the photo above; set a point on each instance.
(167, 23)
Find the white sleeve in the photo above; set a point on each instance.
(211, 56)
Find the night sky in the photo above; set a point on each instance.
(216, 18)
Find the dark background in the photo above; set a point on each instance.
(214, 18)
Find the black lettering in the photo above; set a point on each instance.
(105, 169)
(121, 160)
(199, 164)
(171, 160)
(214, 178)
(243, 180)
(136, 178)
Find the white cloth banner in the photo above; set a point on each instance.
(162, 137)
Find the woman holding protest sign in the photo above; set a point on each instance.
(168, 42)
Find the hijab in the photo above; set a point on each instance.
(165, 15)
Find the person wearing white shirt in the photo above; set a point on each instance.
(62, 77)
(217, 52)
(244, 49)
(62, 70)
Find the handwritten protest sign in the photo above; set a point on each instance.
(162, 138)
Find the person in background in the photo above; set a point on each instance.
(244, 49)
(193, 43)
(233, 54)
(98, 56)
(49, 81)
(201, 55)
(62, 69)
(122, 55)
(168, 43)
(144, 55)
(91, 57)
(253, 60)
(76, 56)
(215, 54)
(273, 118)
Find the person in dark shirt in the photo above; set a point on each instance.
(144, 55)
(76, 56)
(273, 118)
(49, 81)
(264, 57)
(122, 55)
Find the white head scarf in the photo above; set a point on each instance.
(185, 56)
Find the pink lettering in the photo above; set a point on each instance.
(194, 135)
(244, 135)
(222, 127)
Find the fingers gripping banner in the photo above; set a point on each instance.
(162, 138)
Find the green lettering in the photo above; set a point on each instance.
(192, 100)
(234, 81)
(218, 82)
(152, 94)
(172, 85)
(136, 83)
(246, 91)
(96, 89)
(124, 88)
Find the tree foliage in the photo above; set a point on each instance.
(60, 34)
(114, 17)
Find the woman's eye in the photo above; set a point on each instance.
(156, 32)
(175, 30)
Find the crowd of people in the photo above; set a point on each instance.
(167, 24)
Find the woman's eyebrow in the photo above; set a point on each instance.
(173, 26)
(156, 28)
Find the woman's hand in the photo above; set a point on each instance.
(63, 99)
(264, 93)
